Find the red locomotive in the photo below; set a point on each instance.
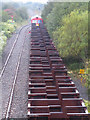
(36, 19)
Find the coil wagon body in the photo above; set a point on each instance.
(52, 94)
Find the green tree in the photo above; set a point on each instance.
(47, 9)
(22, 12)
(72, 37)
(53, 13)
(5, 16)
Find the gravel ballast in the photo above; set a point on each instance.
(8, 76)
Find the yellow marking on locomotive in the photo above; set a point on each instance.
(37, 24)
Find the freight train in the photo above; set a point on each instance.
(36, 19)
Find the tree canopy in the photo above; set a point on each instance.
(72, 36)
(67, 23)
(14, 9)
(53, 13)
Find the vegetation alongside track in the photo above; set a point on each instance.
(20, 12)
(9, 25)
(6, 29)
(67, 24)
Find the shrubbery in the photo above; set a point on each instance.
(72, 36)
(67, 24)
(6, 29)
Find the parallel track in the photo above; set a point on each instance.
(10, 53)
(51, 94)
(16, 71)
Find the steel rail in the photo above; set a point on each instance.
(14, 82)
(9, 55)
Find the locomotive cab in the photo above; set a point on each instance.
(36, 19)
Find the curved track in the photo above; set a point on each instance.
(14, 82)
(9, 55)
(10, 90)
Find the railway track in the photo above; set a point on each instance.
(10, 53)
(51, 93)
(9, 105)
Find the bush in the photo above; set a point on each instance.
(6, 29)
